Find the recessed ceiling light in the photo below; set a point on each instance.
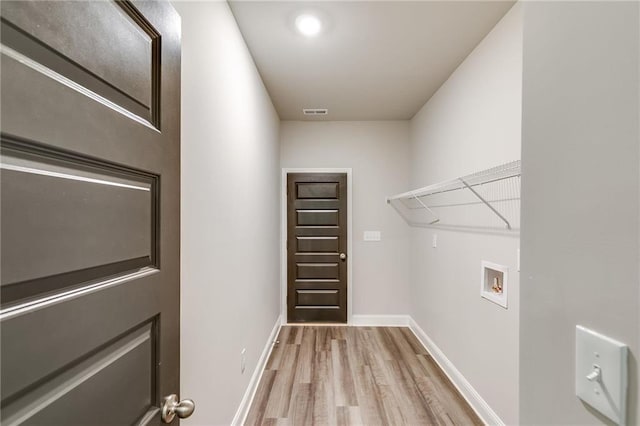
(308, 25)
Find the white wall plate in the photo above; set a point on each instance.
(601, 373)
(372, 236)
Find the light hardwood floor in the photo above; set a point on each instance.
(354, 376)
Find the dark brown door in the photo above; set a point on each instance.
(90, 223)
(317, 247)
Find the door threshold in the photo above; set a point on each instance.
(318, 324)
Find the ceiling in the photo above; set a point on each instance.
(374, 60)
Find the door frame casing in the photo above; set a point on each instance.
(283, 235)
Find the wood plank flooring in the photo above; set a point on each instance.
(355, 376)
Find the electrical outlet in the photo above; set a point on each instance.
(434, 241)
(243, 360)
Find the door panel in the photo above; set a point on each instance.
(315, 190)
(126, 69)
(90, 211)
(317, 218)
(323, 271)
(116, 222)
(113, 223)
(318, 298)
(316, 237)
(318, 244)
(124, 366)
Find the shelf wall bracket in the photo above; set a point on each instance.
(428, 209)
(486, 203)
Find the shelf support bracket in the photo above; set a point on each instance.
(486, 203)
(428, 209)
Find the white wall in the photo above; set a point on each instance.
(472, 123)
(377, 151)
(580, 211)
(230, 212)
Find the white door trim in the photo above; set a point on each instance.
(283, 236)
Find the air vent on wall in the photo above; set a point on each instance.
(315, 111)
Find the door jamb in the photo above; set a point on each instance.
(283, 236)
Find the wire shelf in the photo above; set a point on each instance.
(488, 199)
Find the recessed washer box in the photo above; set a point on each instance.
(494, 282)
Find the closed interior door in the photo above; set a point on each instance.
(317, 247)
(90, 211)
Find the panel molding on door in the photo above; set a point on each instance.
(317, 269)
(103, 241)
(134, 350)
(133, 84)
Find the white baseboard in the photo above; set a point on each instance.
(479, 405)
(380, 320)
(247, 399)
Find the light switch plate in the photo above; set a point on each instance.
(606, 392)
(372, 236)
